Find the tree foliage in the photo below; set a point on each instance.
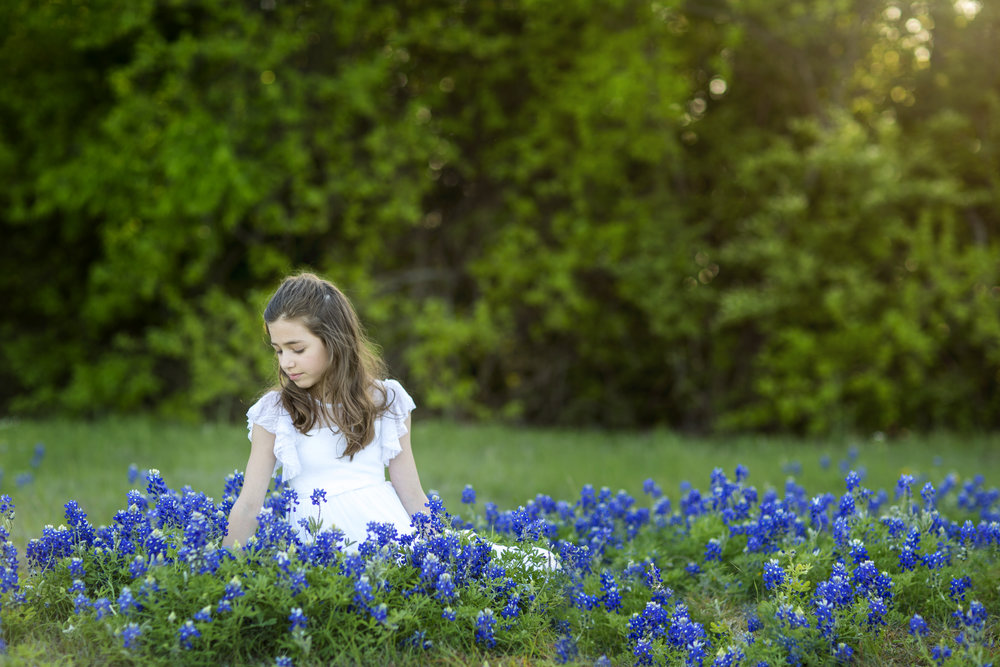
(714, 215)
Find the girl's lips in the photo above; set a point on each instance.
(294, 376)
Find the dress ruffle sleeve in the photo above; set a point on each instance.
(392, 425)
(270, 415)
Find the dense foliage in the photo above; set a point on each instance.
(730, 576)
(711, 214)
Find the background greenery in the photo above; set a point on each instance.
(711, 215)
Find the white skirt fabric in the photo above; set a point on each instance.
(352, 511)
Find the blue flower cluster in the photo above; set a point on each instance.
(827, 568)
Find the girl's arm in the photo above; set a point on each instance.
(256, 479)
(404, 477)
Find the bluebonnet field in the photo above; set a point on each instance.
(725, 576)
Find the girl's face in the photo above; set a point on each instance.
(302, 355)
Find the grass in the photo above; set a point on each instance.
(88, 461)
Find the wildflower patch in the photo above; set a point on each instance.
(728, 576)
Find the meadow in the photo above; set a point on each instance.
(596, 610)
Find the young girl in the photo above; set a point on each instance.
(332, 424)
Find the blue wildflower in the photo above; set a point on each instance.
(903, 485)
(730, 657)
(468, 495)
(643, 652)
(566, 649)
(130, 635)
(853, 480)
(929, 496)
(774, 576)
(877, 610)
(918, 627)
(126, 601)
(611, 598)
(186, 633)
(485, 623)
(958, 587)
(713, 550)
(297, 620)
(844, 653)
(940, 653)
(38, 454)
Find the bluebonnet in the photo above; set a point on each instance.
(362, 591)
(643, 652)
(448, 614)
(513, 607)
(485, 623)
(929, 497)
(297, 620)
(843, 653)
(102, 608)
(859, 553)
(847, 506)
(204, 615)
(283, 661)
(610, 597)
(566, 649)
(794, 618)
(853, 481)
(877, 609)
(187, 633)
(38, 454)
(823, 609)
(318, 497)
(730, 657)
(130, 633)
(651, 488)
(903, 485)
(774, 576)
(468, 495)
(138, 567)
(126, 601)
(958, 586)
(76, 568)
(418, 640)
(940, 653)
(918, 627)
(155, 486)
(713, 550)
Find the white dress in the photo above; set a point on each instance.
(356, 490)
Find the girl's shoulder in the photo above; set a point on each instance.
(267, 411)
(398, 403)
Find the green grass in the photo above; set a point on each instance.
(88, 461)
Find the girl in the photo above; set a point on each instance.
(331, 424)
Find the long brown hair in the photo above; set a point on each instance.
(349, 396)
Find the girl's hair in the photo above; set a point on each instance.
(350, 397)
